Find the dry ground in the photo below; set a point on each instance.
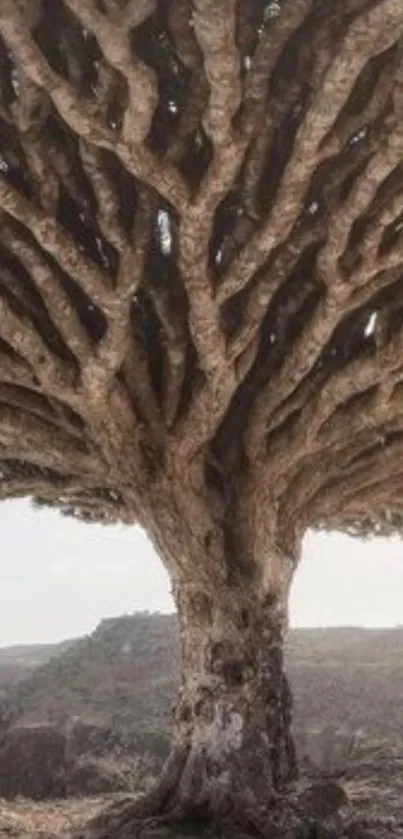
(23, 819)
(375, 801)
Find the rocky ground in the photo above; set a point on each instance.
(27, 819)
(374, 811)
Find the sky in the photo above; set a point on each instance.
(59, 577)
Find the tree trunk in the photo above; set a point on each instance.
(233, 752)
(234, 714)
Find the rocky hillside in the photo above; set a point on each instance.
(16, 663)
(109, 697)
(99, 708)
(350, 680)
(125, 676)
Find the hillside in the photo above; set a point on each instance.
(123, 676)
(352, 678)
(346, 682)
(109, 697)
(17, 662)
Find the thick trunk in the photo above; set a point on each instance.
(232, 751)
(234, 715)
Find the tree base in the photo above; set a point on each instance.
(127, 820)
(162, 813)
(233, 770)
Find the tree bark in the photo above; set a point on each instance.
(234, 715)
(233, 759)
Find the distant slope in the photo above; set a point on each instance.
(125, 675)
(17, 662)
(350, 678)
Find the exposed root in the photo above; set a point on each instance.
(160, 814)
(136, 812)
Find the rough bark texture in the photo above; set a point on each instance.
(234, 713)
(201, 309)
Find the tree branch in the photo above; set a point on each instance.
(113, 38)
(26, 438)
(55, 299)
(201, 216)
(375, 31)
(80, 118)
(52, 239)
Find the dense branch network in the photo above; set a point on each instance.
(201, 227)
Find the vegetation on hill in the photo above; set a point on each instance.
(125, 675)
(17, 661)
(112, 693)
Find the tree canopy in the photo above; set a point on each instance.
(201, 218)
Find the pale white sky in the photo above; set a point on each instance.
(58, 577)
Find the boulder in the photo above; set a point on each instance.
(323, 799)
(95, 777)
(32, 762)
(42, 762)
(90, 738)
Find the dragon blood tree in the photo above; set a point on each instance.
(201, 315)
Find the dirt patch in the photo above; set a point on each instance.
(26, 819)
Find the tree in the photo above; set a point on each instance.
(201, 313)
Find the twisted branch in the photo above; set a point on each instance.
(201, 242)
